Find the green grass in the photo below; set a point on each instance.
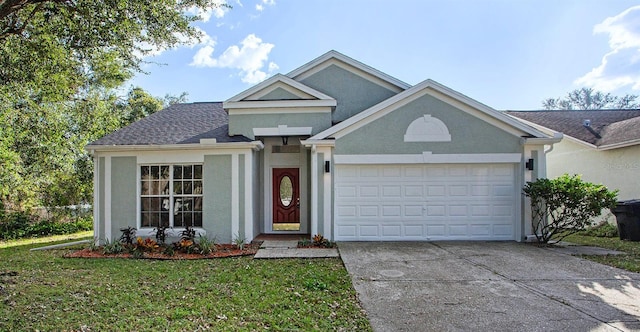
(22, 242)
(630, 261)
(41, 290)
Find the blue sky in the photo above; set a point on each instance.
(506, 54)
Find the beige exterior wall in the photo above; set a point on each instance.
(616, 168)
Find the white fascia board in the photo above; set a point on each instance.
(278, 78)
(279, 103)
(485, 109)
(313, 142)
(429, 158)
(312, 66)
(276, 110)
(283, 130)
(557, 137)
(279, 85)
(619, 145)
(552, 132)
(254, 145)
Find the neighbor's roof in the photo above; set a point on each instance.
(177, 124)
(613, 126)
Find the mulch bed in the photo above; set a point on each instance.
(223, 250)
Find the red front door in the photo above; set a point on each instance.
(286, 195)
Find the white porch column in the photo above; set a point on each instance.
(235, 197)
(248, 196)
(327, 221)
(314, 190)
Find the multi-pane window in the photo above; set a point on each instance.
(171, 195)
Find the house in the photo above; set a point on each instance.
(336, 148)
(601, 145)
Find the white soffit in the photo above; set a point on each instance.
(283, 130)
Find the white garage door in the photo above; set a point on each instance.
(425, 202)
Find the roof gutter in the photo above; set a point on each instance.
(255, 145)
(557, 137)
(619, 145)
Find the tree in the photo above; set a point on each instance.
(588, 99)
(61, 62)
(565, 205)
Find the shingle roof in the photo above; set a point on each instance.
(177, 124)
(613, 126)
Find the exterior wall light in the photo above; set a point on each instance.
(529, 164)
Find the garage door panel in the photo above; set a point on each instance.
(481, 210)
(425, 202)
(369, 191)
(391, 210)
(413, 210)
(394, 191)
(346, 191)
(437, 190)
(458, 230)
(369, 211)
(413, 191)
(369, 231)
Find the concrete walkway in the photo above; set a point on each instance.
(488, 286)
(289, 249)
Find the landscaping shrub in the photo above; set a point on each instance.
(565, 205)
(602, 230)
(16, 225)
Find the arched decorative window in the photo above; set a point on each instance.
(427, 129)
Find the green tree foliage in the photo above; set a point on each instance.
(565, 205)
(588, 99)
(61, 65)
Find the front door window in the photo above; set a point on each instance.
(286, 199)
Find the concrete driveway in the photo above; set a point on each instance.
(488, 286)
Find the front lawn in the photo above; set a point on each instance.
(40, 290)
(630, 261)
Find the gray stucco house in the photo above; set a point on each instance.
(336, 148)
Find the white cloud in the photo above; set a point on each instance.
(184, 41)
(219, 10)
(261, 5)
(621, 66)
(250, 58)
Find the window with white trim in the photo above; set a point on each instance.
(171, 195)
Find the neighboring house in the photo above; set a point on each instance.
(602, 145)
(335, 147)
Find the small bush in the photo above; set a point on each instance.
(112, 247)
(603, 230)
(128, 235)
(206, 245)
(239, 241)
(16, 225)
(565, 205)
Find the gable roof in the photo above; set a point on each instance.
(415, 92)
(607, 129)
(177, 124)
(305, 92)
(333, 56)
